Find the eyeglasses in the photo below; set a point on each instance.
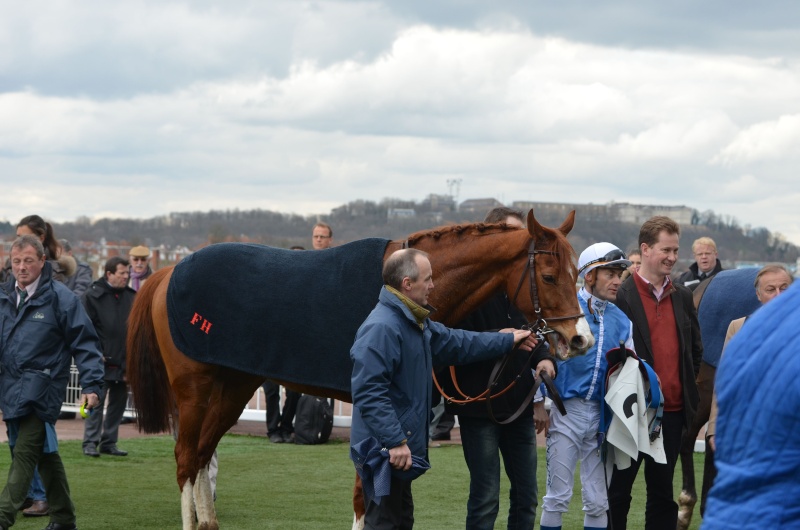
(612, 255)
(138, 259)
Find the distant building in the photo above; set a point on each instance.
(560, 210)
(639, 213)
(621, 212)
(400, 213)
(438, 203)
(478, 206)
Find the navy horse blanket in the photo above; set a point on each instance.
(284, 314)
(730, 295)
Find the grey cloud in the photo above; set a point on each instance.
(112, 50)
(728, 26)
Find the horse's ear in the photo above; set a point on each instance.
(536, 229)
(533, 225)
(568, 223)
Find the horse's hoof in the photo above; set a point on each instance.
(358, 522)
(686, 502)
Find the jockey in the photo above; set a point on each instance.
(581, 382)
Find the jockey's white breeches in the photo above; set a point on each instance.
(572, 438)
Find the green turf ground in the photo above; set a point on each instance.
(267, 486)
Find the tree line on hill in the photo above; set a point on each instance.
(360, 219)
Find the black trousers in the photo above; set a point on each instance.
(661, 510)
(396, 511)
(278, 421)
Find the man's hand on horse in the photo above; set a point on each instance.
(523, 338)
(400, 457)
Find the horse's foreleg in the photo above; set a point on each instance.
(187, 506)
(230, 393)
(204, 502)
(359, 507)
(191, 392)
(688, 496)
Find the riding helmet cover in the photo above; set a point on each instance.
(603, 255)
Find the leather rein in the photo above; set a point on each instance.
(541, 328)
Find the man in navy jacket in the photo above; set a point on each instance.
(393, 355)
(44, 327)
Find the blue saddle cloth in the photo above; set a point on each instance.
(285, 314)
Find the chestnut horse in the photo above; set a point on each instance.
(535, 267)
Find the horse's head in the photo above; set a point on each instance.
(550, 302)
(472, 262)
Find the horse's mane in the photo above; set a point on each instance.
(457, 230)
(562, 245)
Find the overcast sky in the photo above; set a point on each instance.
(141, 108)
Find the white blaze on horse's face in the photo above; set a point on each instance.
(585, 333)
(580, 343)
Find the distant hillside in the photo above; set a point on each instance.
(359, 219)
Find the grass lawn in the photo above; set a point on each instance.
(269, 486)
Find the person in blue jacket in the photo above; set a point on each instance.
(393, 355)
(581, 384)
(44, 327)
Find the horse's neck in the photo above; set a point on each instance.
(469, 272)
(457, 297)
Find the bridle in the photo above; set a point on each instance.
(540, 327)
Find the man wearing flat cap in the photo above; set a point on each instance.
(140, 266)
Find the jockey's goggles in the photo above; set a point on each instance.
(615, 255)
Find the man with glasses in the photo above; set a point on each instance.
(140, 266)
(705, 266)
(666, 334)
(322, 236)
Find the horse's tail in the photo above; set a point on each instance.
(146, 372)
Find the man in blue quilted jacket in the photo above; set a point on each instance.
(394, 352)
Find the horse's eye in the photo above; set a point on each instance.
(549, 279)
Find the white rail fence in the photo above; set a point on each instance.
(254, 411)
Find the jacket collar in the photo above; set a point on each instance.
(595, 305)
(392, 297)
(101, 287)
